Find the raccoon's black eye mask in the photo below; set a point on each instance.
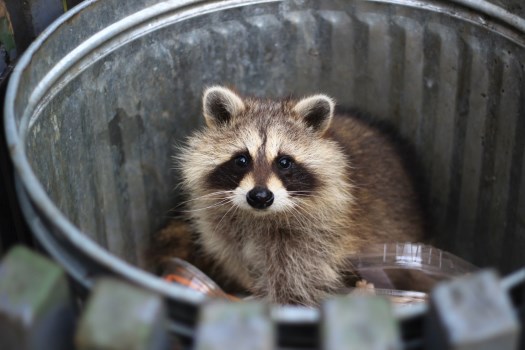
(228, 174)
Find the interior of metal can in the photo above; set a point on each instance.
(99, 102)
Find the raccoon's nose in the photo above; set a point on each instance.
(260, 197)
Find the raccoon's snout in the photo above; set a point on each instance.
(260, 197)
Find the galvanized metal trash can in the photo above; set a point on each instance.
(96, 103)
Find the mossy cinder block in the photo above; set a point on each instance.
(358, 322)
(120, 316)
(471, 313)
(235, 326)
(36, 311)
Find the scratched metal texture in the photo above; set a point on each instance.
(97, 103)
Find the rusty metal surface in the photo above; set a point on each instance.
(97, 102)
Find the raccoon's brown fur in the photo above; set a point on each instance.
(279, 192)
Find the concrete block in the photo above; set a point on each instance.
(119, 316)
(36, 311)
(472, 313)
(235, 326)
(358, 322)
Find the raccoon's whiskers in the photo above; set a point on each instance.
(177, 186)
(225, 214)
(206, 196)
(301, 193)
(222, 202)
(302, 220)
(288, 223)
(307, 219)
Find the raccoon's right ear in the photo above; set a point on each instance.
(220, 105)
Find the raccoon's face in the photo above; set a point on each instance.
(260, 156)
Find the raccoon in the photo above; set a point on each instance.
(279, 192)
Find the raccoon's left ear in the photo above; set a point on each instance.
(316, 111)
(220, 105)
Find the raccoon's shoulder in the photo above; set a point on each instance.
(381, 159)
(360, 133)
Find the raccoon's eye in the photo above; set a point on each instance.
(284, 162)
(241, 161)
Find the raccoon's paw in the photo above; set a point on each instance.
(363, 284)
(363, 287)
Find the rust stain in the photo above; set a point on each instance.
(6, 34)
(3, 11)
